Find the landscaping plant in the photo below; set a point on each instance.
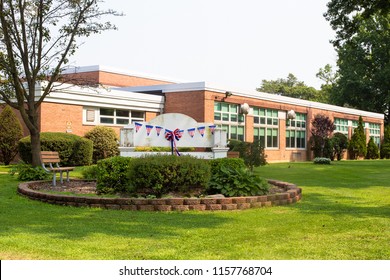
(10, 134)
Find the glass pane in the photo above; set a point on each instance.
(217, 106)
(225, 117)
(240, 130)
(106, 112)
(275, 121)
(256, 111)
(137, 114)
(274, 113)
(122, 113)
(233, 118)
(262, 112)
(269, 121)
(262, 132)
(122, 121)
(233, 108)
(107, 120)
(225, 107)
(217, 116)
(256, 120)
(262, 120)
(241, 118)
(256, 131)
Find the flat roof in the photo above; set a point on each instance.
(108, 69)
(201, 86)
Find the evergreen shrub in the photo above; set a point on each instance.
(111, 175)
(10, 134)
(160, 175)
(72, 149)
(372, 150)
(27, 172)
(321, 160)
(105, 142)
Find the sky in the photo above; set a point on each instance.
(229, 43)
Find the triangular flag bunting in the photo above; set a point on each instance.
(158, 130)
(137, 126)
(148, 129)
(201, 130)
(191, 132)
(212, 128)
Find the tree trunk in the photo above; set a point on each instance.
(35, 147)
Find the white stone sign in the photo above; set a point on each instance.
(173, 129)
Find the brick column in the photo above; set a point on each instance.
(249, 128)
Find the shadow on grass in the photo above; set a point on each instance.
(21, 215)
(316, 203)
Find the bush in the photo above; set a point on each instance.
(111, 175)
(10, 134)
(105, 142)
(236, 182)
(72, 149)
(319, 160)
(385, 147)
(372, 150)
(217, 164)
(90, 172)
(340, 145)
(160, 175)
(357, 147)
(251, 152)
(28, 173)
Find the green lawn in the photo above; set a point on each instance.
(344, 214)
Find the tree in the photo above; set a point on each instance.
(385, 147)
(344, 15)
(10, 133)
(357, 145)
(322, 129)
(36, 40)
(290, 87)
(105, 142)
(363, 46)
(340, 145)
(372, 150)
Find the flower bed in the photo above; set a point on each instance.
(291, 195)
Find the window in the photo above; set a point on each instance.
(227, 117)
(296, 132)
(266, 127)
(110, 116)
(341, 126)
(375, 132)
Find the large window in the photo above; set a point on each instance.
(296, 132)
(341, 126)
(266, 127)
(228, 117)
(110, 116)
(375, 132)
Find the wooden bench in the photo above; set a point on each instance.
(50, 158)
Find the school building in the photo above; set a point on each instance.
(282, 124)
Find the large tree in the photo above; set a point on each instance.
(37, 37)
(363, 46)
(291, 87)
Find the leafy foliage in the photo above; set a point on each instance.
(72, 149)
(105, 142)
(321, 160)
(236, 182)
(36, 39)
(234, 163)
(27, 172)
(111, 175)
(159, 175)
(339, 144)
(385, 147)
(372, 150)
(251, 152)
(10, 134)
(322, 128)
(357, 145)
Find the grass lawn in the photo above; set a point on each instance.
(344, 214)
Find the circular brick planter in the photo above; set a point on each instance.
(291, 195)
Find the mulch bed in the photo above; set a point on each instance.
(89, 187)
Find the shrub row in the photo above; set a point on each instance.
(72, 149)
(162, 175)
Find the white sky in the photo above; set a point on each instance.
(231, 43)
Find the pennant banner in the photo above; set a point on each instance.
(137, 126)
(148, 129)
(201, 130)
(158, 130)
(212, 128)
(191, 132)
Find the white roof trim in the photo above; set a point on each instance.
(256, 95)
(102, 68)
(75, 95)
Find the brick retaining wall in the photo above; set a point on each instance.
(292, 195)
